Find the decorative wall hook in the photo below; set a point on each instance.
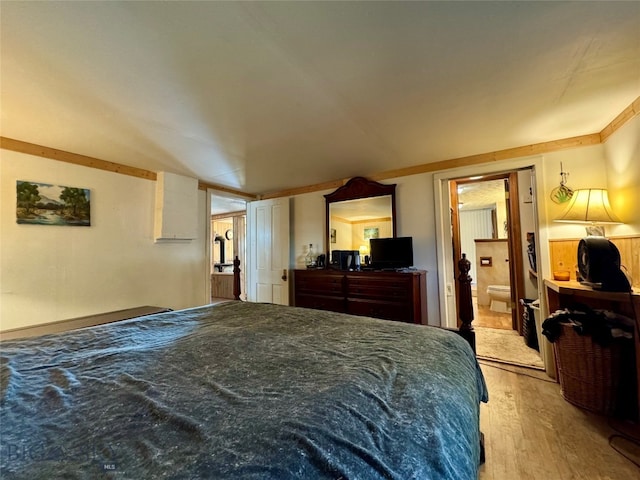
(562, 193)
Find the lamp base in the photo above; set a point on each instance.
(595, 231)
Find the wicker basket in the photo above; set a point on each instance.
(589, 373)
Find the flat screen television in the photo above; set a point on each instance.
(391, 253)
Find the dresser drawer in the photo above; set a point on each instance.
(319, 302)
(389, 311)
(319, 284)
(396, 288)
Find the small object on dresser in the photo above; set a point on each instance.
(310, 260)
(561, 275)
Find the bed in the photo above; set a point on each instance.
(242, 390)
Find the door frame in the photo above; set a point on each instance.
(238, 239)
(444, 229)
(514, 237)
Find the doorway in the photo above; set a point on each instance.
(483, 238)
(493, 223)
(486, 223)
(227, 240)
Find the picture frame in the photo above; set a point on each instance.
(371, 232)
(47, 204)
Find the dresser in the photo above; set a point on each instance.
(400, 296)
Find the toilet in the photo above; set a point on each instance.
(500, 296)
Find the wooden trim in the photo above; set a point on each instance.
(516, 268)
(624, 116)
(355, 189)
(361, 222)
(360, 187)
(471, 160)
(528, 150)
(75, 158)
(488, 240)
(610, 237)
(571, 287)
(307, 189)
(371, 220)
(457, 253)
(204, 186)
(483, 178)
(499, 155)
(91, 162)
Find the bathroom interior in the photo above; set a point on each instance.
(484, 237)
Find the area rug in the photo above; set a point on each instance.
(506, 346)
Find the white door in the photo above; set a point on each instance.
(268, 232)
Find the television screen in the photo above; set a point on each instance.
(391, 253)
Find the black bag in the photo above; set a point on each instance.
(529, 332)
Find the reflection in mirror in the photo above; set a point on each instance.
(358, 211)
(354, 222)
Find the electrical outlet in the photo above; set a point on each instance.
(449, 289)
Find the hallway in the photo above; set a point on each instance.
(498, 342)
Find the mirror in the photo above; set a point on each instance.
(359, 210)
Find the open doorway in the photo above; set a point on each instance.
(228, 240)
(493, 223)
(483, 238)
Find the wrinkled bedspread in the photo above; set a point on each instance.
(241, 390)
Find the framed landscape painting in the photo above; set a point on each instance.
(371, 232)
(46, 204)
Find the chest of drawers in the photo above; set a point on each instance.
(397, 296)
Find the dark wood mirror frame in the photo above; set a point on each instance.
(355, 189)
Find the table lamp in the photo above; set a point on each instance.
(590, 206)
(598, 258)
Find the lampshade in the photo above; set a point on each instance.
(589, 206)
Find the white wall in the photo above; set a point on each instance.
(416, 218)
(614, 165)
(622, 162)
(307, 226)
(50, 273)
(586, 168)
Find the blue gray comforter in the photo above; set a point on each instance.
(241, 390)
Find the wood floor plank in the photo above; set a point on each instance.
(531, 432)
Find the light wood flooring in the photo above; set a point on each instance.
(484, 317)
(531, 432)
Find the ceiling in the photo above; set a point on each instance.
(481, 194)
(266, 96)
(223, 204)
(362, 209)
